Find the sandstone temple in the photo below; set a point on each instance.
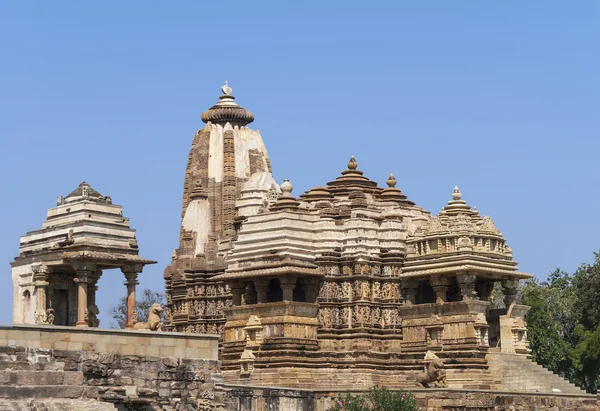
(275, 300)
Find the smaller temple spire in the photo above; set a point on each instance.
(285, 201)
(392, 193)
(198, 192)
(457, 204)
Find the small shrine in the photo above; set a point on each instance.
(56, 273)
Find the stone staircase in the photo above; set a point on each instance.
(517, 372)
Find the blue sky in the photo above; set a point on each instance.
(500, 98)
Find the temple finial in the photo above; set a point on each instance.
(391, 181)
(456, 194)
(226, 89)
(286, 188)
(352, 164)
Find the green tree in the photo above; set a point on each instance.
(564, 323)
(586, 293)
(549, 325)
(586, 358)
(143, 304)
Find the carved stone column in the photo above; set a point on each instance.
(131, 272)
(83, 271)
(440, 287)
(510, 289)
(409, 289)
(287, 286)
(41, 275)
(93, 287)
(262, 287)
(466, 282)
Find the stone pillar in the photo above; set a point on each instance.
(262, 287)
(510, 289)
(466, 281)
(237, 289)
(41, 275)
(93, 287)
(131, 272)
(409, 288)
(83, 270)
(310, 290)
(440, 287)
(287, 286)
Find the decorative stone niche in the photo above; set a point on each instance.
(254, 332)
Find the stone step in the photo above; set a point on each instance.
(520, 373)
(79, 406)
(14, 406)
(41, 391)
(41, 378)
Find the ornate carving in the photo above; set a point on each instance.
(50, 315)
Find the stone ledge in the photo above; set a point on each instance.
(413, 390)
(125, 342)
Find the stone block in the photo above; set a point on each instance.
(47, 391)
(127, 349)
(15, 365)
(140, 349)
(75, 346)
(167, 352)
(153, 350)
(73, 378)
(179, 352)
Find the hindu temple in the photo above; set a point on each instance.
(349, 283)
(274, 300)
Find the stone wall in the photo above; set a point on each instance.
(238, 398)
(124, 342)
(65, 368)
(90, 380)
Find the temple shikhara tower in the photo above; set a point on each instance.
(227, 158)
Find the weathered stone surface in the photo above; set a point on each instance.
(113, 378)
(254, 399)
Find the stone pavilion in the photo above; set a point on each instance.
(56, 273)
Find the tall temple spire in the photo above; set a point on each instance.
(226, 159)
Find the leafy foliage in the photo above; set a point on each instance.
(564, 323)
(377, 399)
(143, 304)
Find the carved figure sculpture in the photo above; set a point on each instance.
(92, 316)
(153, 323)
(50, 315)
(434, 373)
